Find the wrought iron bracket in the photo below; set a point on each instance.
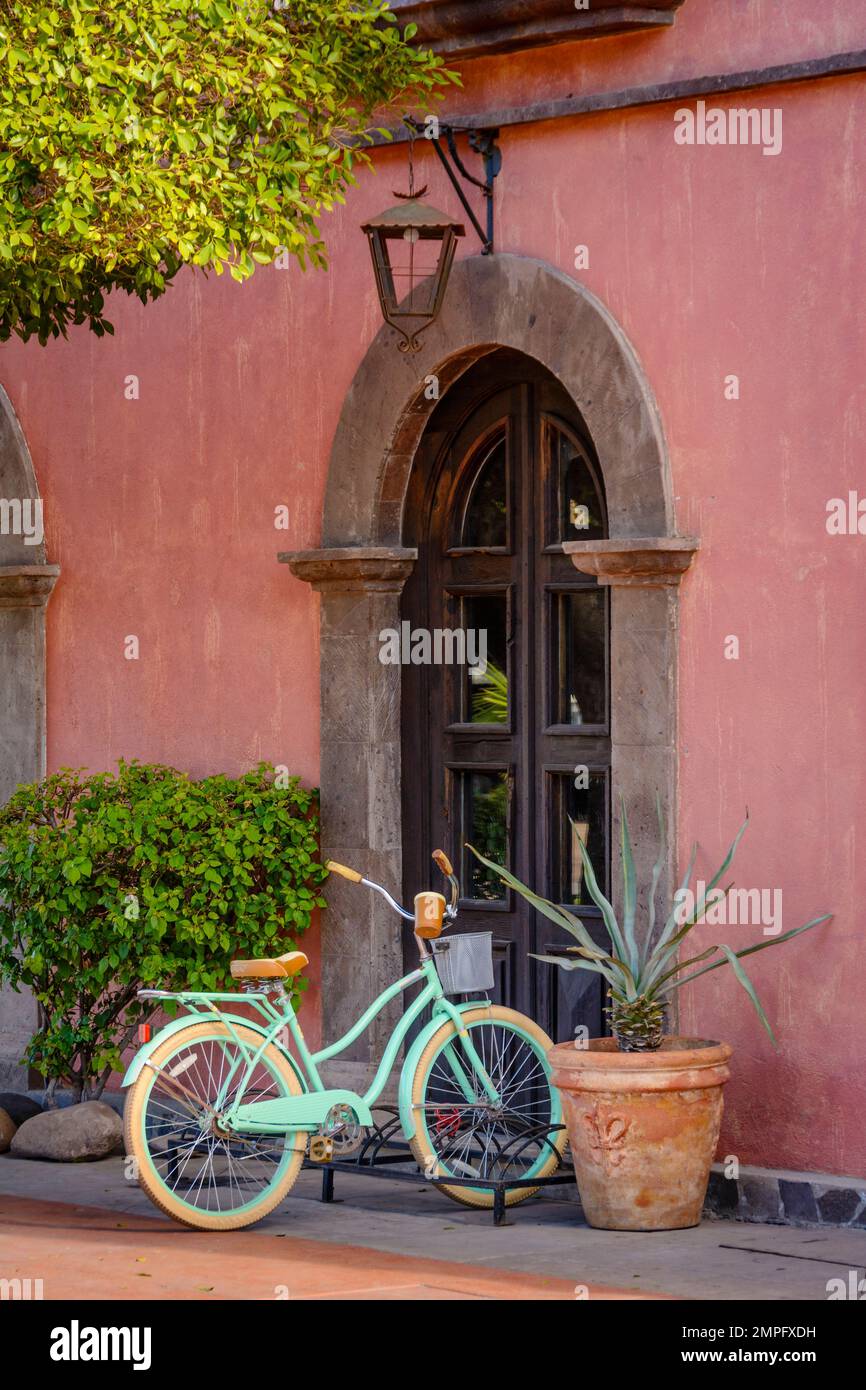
(481, 142)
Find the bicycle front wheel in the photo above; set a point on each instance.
(189, 1166)
(460, 1133)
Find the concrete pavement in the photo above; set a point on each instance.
(398, 1228)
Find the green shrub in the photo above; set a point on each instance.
(144, 878)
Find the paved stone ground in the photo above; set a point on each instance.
(545, 1238)
(81, 1253)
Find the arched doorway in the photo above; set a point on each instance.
(494, 304)
(514, 758)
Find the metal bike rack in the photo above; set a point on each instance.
(381, 1153)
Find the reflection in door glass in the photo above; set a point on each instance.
(579, 632)
(485, 694)
(485, 519)
(580, 507)
(578, 813)
(484, 797)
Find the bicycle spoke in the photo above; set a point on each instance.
(208, 1170)
(478, 1138)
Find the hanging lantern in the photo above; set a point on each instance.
(413, 247)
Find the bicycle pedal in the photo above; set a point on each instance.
(321, 1149)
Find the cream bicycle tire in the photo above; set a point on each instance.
(135, 1117)
(428, 1159)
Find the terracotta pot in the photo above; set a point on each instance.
(643, 1128)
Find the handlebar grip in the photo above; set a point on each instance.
(351, 874)
(441, 858)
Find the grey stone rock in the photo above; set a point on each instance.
(860, 1219)
(798, 1200)
(723, 1195)
(116, 1099)
(58, 1101)
(62, 1099)
(761, 1201)
(7, 1130)
(75, 1134)
(786, 1196)
(838, 1206)
(19, 1107)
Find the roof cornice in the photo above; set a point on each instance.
(476, 28)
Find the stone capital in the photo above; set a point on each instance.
(637, 562)
(352, 569)
(27, 586)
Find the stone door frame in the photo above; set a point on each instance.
(501, 301)
(26, 583)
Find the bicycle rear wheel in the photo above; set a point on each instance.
(465, 1136)
(187, 1164)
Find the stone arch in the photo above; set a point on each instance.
(26, 582)
(502, 301)
(494, 302)
(17, 484)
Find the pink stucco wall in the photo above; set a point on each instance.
(715, 261)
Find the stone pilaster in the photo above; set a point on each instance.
(362, 937)
(24, 594)
(644, 575)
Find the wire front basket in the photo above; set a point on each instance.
(465, 963)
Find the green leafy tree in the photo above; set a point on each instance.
(137, 138)
(113, 882)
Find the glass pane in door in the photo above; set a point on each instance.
(579, 506)
(577, 814)
(484, 684)
(485, 516)
(579, 666)
(483, 803)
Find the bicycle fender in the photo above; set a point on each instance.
(185, 1021)
(410, 1066)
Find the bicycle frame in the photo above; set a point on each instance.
(309, 1111)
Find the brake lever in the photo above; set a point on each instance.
(443, 863)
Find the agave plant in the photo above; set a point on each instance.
(643, 974)
(490, 700)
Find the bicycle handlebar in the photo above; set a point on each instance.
(351, 874)
(440, 858)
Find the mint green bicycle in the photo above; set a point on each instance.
(219, 1112)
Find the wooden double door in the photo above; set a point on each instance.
(510, 754)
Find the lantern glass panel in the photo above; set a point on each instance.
(413, 261)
